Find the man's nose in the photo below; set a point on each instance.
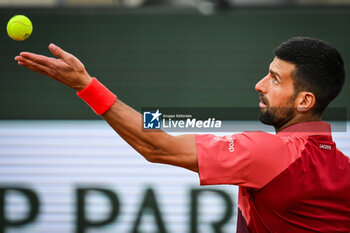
(261, 86)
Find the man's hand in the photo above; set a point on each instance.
(67, 69)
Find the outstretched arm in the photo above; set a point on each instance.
(158, 146)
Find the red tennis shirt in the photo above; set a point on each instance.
(294, 182)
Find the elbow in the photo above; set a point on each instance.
(149, 158)
(151, 155)
(172, 160)
(156, 155)
(152, 158)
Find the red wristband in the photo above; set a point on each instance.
(97, 96)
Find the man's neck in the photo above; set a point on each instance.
(298, 119)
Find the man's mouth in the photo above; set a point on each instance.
(262, 105)
(263, 101)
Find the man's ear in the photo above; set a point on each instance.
(305, 101)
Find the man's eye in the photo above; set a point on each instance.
(274, 79)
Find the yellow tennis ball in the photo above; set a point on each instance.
(19, 27)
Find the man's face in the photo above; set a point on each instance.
(276, 94)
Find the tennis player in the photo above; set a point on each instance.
(294, 181)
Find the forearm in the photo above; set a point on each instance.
(156, 146)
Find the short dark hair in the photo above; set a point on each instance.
(319, 68)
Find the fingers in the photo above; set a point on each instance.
(65, 56)
(33, 65)
(65, 68)
(40, 59)
(58, 52)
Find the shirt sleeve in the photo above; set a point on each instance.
(249, 159)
